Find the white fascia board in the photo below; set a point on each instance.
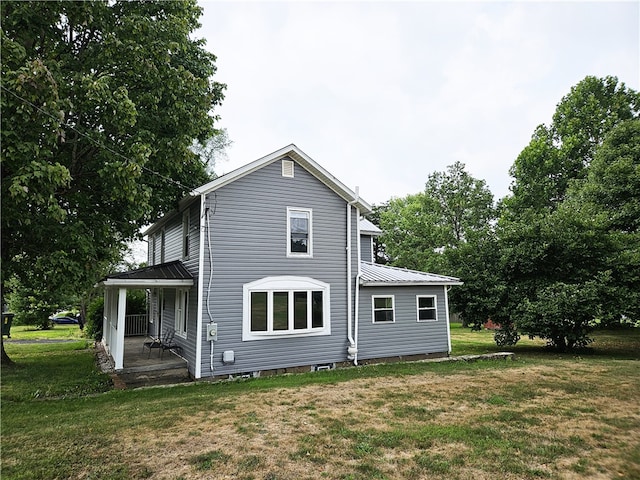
(304, 160)
(145, 283)
(408, 284)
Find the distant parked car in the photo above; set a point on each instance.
(64, 320)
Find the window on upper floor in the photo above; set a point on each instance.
(427, 310)
(299, 232)
(285, 306)
(383, 309)
(186, 226)
(152, 259)
(162, 238)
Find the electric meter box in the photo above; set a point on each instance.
(212, 332)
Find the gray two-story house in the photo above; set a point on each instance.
(271, 268)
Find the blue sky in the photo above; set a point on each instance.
(382, 94)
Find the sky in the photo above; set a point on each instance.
(382, 94)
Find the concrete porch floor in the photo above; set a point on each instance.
(143, 370)
(137, 360)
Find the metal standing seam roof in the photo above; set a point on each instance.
(165, 272)
(368, 228)
(373, 274)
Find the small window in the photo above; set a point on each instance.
(162, 238)
(299, 232)
(186, 226)
(427, 310)
(287, 168)
(383, 309)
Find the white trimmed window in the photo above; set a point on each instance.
(383, 309)
(285, 306)
(299, 232)
(427, 308)
(182, 309)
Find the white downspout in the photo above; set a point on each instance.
(446, 304)
(351, 349)
(357, 299)
(198, 366)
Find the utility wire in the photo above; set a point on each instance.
(96, 142)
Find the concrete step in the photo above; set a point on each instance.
(154, 377)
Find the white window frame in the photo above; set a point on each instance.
(309, 252)
(288, 284)
(434, 308)
(374, 309)
(181, 312)
(186, 226)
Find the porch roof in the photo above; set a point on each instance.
(171, 274)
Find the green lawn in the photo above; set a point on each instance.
(543, 415)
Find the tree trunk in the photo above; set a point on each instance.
(6, 361)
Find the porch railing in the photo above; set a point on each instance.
(135, 325)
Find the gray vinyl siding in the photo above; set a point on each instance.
(248, 235)
(173, 234)
(406, 336)
(366, 248)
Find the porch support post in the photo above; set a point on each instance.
(122, 310)
(105, 318)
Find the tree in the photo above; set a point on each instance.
(612, 192)
(464, 203)
(559, 248)
(449, 229)
(419, 229)
(412, 233)
(563, 151)
(213, 150)
(379, 249)
(101, 103)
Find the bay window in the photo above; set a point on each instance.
(285, 306)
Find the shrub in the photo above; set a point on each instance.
(95, 314)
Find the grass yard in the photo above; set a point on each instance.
(544, 415)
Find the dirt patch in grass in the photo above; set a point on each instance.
(542, 421)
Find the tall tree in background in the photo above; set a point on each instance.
(101, 103)
(448, 229)
(559, 254)
(611, 192)
(419, 229)
(563, 151)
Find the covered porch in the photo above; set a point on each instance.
(129, 355)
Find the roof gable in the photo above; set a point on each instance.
(294, 153)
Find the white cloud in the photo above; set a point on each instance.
(383, 94)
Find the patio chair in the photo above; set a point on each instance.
(167, 344)
(163, 343)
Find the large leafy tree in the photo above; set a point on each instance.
(420, 229)
(611, 192)
(448, 229)
(560, 250)
(101, 103)
(562, 152)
